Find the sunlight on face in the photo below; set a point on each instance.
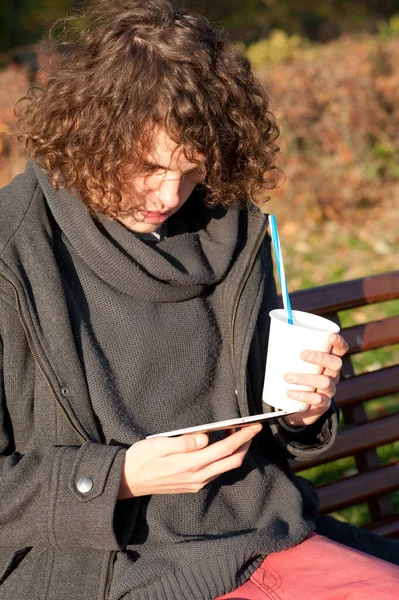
(166, 183)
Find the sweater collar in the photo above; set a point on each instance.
(197, 253)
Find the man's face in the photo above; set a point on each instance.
(164, 186)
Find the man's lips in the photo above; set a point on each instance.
(156, 217)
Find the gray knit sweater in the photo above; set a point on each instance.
(126, 300)
(155, 349)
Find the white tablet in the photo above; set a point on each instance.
(229, 424)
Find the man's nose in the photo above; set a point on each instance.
(170, 193)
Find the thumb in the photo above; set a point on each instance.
(189, 442)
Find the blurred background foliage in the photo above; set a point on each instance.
(23, 21)
(332, 71)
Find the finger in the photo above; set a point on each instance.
(314, 399)
(231, 430)
(331, 363)
(226, 447)
(339, 346)
(322, 382)
(223, 465)
(309, 416)
(190, 442)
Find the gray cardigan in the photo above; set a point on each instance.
(57, 540)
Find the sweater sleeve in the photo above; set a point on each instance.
(41, 503)
(60, 496)
(306, 442)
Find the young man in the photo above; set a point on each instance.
(135, 286)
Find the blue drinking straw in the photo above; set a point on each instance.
(280, 268)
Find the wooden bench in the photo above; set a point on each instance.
(360, 436)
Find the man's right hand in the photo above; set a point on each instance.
(182, 464)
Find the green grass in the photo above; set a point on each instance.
(380, 407)
(382, 310)
(355, 515)
(344, 467)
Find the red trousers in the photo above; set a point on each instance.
(319, 569)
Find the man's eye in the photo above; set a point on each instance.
(152, 170)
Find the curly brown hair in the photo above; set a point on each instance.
(128, 65)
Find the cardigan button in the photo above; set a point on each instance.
(84, 485)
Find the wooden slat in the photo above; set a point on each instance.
(388, 527)
(335, 297)
(354, 439)
(369, 336)
(358, 488)
(368, 386)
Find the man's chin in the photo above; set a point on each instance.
(139, 226)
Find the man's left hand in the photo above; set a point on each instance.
(324, 385)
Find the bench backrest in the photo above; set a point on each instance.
(361, 435)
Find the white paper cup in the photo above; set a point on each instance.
(286, 342)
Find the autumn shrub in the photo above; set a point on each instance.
(389, 30)
(339, 117)
(13, 85)
(278, 48)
